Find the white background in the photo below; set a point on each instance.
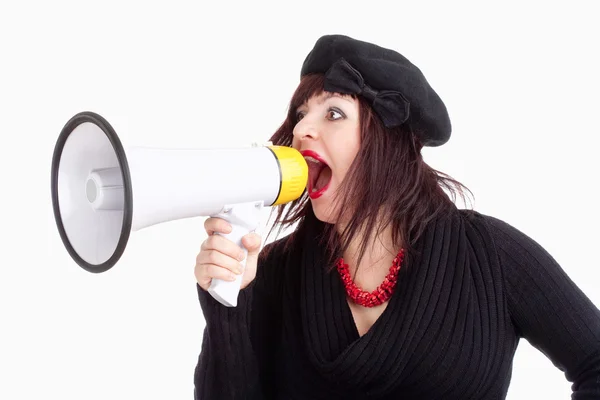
(520, 80)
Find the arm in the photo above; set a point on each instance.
(232, 363)
(549, 310)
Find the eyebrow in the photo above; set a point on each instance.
(327, 96)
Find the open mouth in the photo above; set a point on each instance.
(319, 174)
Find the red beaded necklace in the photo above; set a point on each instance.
(377, 296)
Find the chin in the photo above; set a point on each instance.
(323, 209)
(323, 215)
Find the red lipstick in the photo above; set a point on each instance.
(315, 168)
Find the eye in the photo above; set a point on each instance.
(334, 114)
(299, 116)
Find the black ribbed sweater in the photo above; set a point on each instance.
(449, 332)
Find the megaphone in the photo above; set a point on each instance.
(102, 191)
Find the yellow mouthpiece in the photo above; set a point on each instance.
(294, 173)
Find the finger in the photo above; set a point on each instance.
(201, 277)
(217, 272)
(223, 245)
(218, 258)
(214, 224)
(207, 272)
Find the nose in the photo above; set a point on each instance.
(306, 130)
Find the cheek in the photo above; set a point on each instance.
(352, 146)
(350, 157)
(346, 158)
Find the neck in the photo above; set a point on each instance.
(376, 260)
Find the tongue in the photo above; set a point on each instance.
(323, 179)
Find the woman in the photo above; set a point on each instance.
(385, 290)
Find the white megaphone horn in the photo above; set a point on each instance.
(102, 191)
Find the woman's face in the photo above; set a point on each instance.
(328, 136)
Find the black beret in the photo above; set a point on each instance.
(397, 89)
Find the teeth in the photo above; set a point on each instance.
(311, 159)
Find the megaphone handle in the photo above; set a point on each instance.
(244, 218)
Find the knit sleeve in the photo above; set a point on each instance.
(232, 363)
(549, 310)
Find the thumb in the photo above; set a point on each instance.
(252, 242)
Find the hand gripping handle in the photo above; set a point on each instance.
(244, 218)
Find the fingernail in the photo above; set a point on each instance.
(241, 256)
(232, 277)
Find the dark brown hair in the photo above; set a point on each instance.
(388, 178)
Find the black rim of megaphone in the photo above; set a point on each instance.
(74, 122)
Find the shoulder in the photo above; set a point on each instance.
(501, 229)
(498, 227)
(514, 245)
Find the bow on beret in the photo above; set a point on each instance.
(396, 89)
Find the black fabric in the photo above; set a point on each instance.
(397, 89)
(450, 331)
